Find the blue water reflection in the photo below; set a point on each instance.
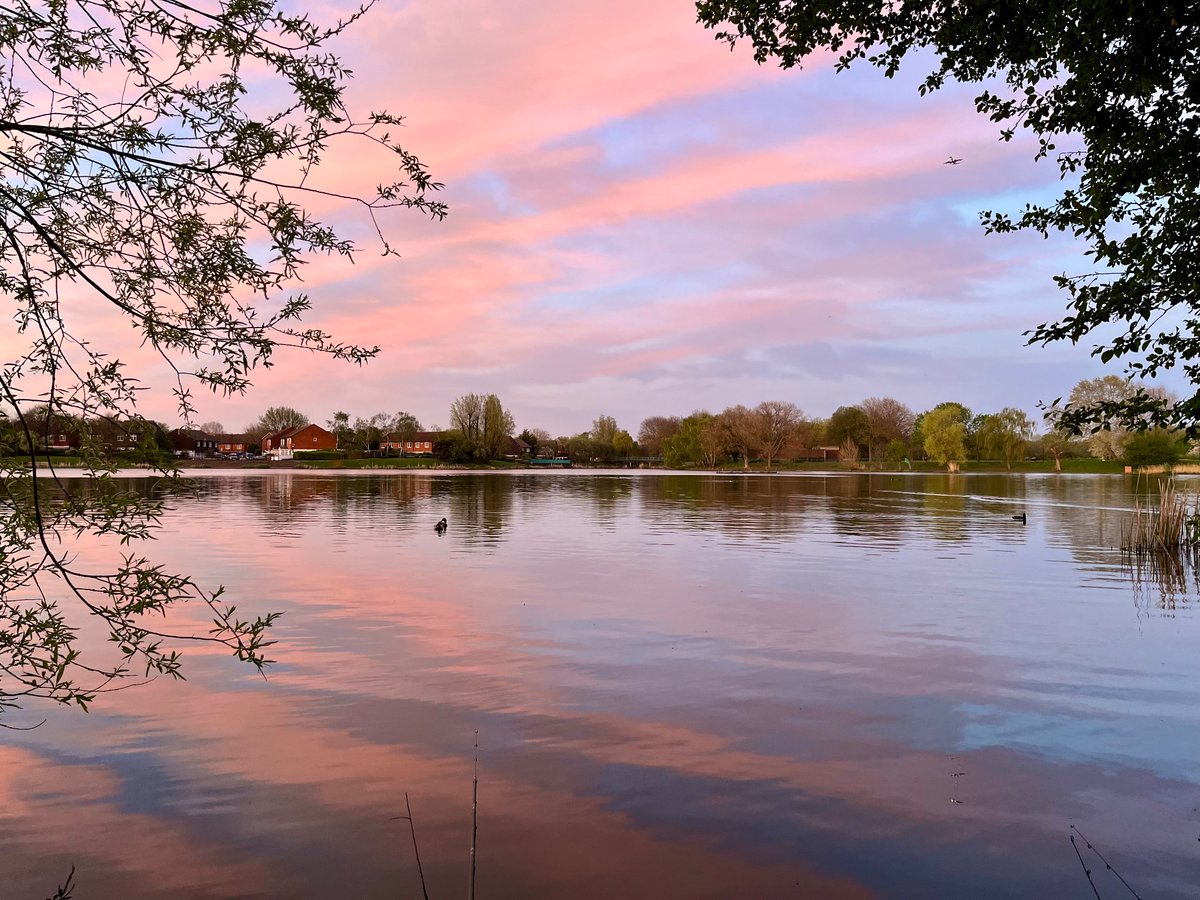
(683, 685)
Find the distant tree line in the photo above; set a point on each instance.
(878, 431)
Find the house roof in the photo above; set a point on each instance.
(192, 434)
(275, 436)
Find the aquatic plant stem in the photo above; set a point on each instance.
(474, 817)
(1107, 864)
(417, 853)
(1086, 870)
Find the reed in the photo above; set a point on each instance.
(1171, 528)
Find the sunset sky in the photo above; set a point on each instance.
(643, 222)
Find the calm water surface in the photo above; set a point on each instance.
(683, 686)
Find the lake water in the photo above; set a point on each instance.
(683, 686)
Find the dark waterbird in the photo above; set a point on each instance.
(1020, 518)
(441, 526)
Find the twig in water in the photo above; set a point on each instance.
(1107, 864)
(1086, 870)
(474, 816)
(417, 853)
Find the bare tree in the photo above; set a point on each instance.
(887, 420)
(654, 431)
(741, 425)
(368, 433)
(213, 428)
(466, 414)
(404, 427)
(778, 422)
(276, 418)
(713, 440)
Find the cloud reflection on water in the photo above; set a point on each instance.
(684, 686)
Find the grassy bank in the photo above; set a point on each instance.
(1069, 467)
(396, 463)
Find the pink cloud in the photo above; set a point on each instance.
(731, 242)
(478, 81)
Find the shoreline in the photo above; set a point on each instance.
(395, 466)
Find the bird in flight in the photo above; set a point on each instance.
(952, 161)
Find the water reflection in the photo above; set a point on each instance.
(1164, 582)
(685, 686)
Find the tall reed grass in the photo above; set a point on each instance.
(1171, 528)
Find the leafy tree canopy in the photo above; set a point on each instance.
(1155, 447)
(1004, 435)
(848, 423)
(604, 429)
(944, 432)
(137, 180)
(1117, 85)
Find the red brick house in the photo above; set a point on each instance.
(419, 444)
(233, 443)
(306, 438)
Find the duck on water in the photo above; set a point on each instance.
(441, 526)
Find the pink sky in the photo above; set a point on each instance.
(645, 223)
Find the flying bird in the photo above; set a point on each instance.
(952, 161)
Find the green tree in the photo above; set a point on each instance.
(134, 174)
(1058, 444)
(604, 429)
(1153, 448)
(623, 444)
(586, 450)
(536, 438)
(1117, 85)
(1004, 435)
(702, 440)
(848, 423)
(497, 427)
(945, 432)
(339, 427)
(1110, 391)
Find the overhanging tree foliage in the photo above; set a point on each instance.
(1118, 85)
(155, 158)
